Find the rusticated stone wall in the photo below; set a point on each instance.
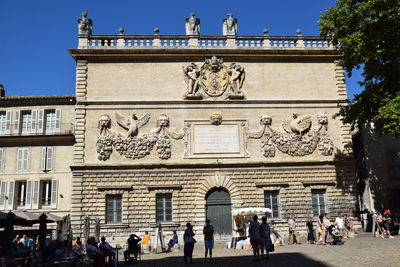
(189, 187)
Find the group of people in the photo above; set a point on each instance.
(382, 224)
(341, 226)
(260, 238)
(23, 244)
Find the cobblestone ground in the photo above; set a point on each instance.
(364, 250)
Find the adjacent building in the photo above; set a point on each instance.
(36, 146)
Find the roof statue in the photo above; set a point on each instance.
(85, 25)
(229, 25)
(192, 25)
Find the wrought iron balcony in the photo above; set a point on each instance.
(64, 129)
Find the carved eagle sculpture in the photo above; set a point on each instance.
(132, 125)
(299, 125)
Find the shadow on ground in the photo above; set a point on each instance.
(276, 260)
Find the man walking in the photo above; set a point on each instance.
(292, 230)
(208, 232)
(254, 233)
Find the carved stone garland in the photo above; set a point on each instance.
(134, 147)
(298, 141)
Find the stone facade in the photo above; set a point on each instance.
(188, 115)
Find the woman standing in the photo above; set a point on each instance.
(320, 230)
(189, 243)
(265, 237)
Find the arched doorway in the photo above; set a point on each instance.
(218, 210)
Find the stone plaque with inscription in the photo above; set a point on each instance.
(216, 141)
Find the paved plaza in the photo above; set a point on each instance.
(364, 250)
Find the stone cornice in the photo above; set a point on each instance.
(162, 187)
(206, 166)
(193, 54)
(41, 100)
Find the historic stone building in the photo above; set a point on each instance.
(36, 147)
(177, 129)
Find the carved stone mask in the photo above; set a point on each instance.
(105, 121)
(216, 119)
(322, 118)
(163, 120)
(265, 120)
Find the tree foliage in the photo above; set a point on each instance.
(367, 32)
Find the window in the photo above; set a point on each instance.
(271, 201)
(163, 207)
(393, 161)
(21, 193)
(48, 193)
(318, 202)
(7, 195)
(22, 159)
(3, 122)
(47, 158)
(114, 208)
(36, 121)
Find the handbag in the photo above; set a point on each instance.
(271, 248)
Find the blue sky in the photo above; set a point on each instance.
(35, 35)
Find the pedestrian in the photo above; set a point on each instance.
(208, 232)
(320, 230)
(275, 236)
(327, 223)
(173, 241)
(254, 234)
(387, 220)
(133, 247)
(146, 241)
(265, 238)
(310, 231)
(188, 239)
(340, 224)
(292, 230)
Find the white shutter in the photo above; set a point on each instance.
(8, 122)
(35, 194)
(20, 153)
(40, 124)
(58, 121)
(49, 158)
(54, 192)
(17, 122)
(28, 196)
(10, 195)
(25, 159)
(3, 191)
(34, 121)
(43, 159)
(2, 159)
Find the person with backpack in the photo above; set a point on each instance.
(265, 238)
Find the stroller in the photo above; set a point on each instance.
(335, 234)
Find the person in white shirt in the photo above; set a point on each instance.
(340, 224)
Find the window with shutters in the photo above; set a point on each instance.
(7, 195)
(163, 207)
(318, 201)
(26, 122)
(50, 121)
(114, 209)
(3, 122)
(271, 201)
(48, 193)
(47, 161)
(21, 193)
(22, 159)
(2, 158)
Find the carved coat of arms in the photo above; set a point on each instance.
(214, 79)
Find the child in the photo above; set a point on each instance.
(146, 241)
(310, 231)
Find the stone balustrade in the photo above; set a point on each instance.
(202, 41)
